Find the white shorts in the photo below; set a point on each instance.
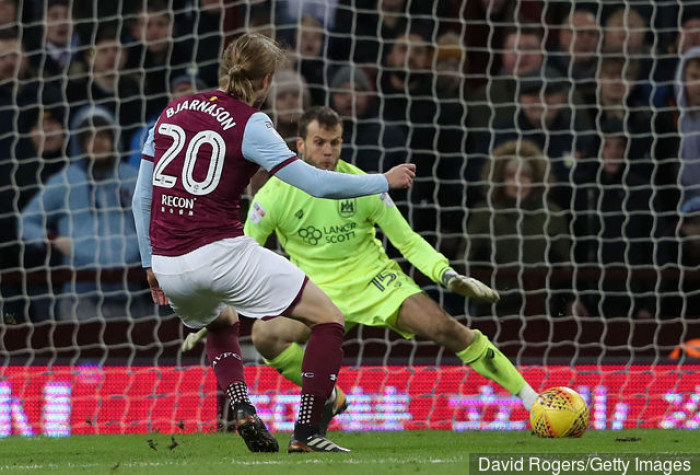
(237, 272)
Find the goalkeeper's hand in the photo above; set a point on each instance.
(469, 287)
(192, 339)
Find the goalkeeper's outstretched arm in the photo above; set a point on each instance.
(424, 257)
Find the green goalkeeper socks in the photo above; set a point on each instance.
(288, 363)
(481, 355)
(488, 361)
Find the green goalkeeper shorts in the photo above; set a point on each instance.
(376, 302)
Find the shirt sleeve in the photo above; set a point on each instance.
(264, 146)
(149, 147)
(413, 247)
(326, 184)
(141, 205)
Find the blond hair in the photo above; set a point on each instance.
(245, 62)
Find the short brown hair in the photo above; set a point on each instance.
(246, 61)
(325, 116)
(628, 67)
(156, 6)
(525, 30)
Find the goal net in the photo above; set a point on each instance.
(556, 150)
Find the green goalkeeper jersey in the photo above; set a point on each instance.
(333, 241)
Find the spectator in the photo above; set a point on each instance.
(545, 118)
(19, 95)
(688, 99)
(288, 99)
(179, 86)
(517, 228)
(362, 32)
(12, 67)
(624, 32)
(291, 13)
(155, 57)
(184, 85)
(652, 143)
(41, 156)
(688, 37)
(624, 36)
(450, 66)
(579, 40)
(495, 101)
(45, 154)
(407, 74)
(213, 24)
(689, 32)
(104, 86)
(612, 225)
(451, 138)
(368, 143)
(408, 101)
(487, 21)
(83, 213)
(310, 50)
(615, 77)
(324, 12)
(56, 54)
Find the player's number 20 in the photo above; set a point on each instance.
(180, 140)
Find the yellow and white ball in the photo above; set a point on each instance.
(559, 412)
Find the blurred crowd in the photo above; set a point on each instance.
(557, 143)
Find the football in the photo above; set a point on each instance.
(559, 412)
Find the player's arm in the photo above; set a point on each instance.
(264, 146)
(141, 202)
(423, 256)
(141, 209)
(261, 220)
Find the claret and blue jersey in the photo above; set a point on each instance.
(196, 199)
(201, 154)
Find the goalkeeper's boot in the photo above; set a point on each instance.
(253, 430)
(314, 443)
(334, 406)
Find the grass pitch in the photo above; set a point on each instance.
(430, 452)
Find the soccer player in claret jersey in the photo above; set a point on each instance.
(197, 161)
(334, 243)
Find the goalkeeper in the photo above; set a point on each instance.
(334, 243)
